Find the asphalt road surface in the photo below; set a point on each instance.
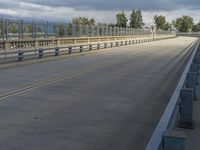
(106, 100)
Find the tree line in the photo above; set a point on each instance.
(135, 20)
(181, 24)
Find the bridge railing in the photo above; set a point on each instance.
(25, 29)
(192, 34)
(178, 113)
(61, 46)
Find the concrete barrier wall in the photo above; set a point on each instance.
(29, 44)
(19, 50)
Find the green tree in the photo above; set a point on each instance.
(160, 22)
(168, 26)
(184, 23)
(83, 21)
(121, 20)
(196, 27)
(136, 20)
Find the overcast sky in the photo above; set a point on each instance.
(101, 10)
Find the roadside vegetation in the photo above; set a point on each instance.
(182, 24)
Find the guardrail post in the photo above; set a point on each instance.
(105, 45)
(56, 51)
(70, 49)
(174, 140)
(111, 44)
(195, 68)
(20, 55)
(98, 46)
(192, 81)
(90, 47)
(186, 109)
(40, 53)
(81, 48)
(117, 44)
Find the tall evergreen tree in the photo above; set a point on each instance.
(136, 20)
(121, 20)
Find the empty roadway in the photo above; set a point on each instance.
(106, 100)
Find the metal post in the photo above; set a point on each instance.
(195, 68)
(70, 49)
(19, 29)
(98, 46)
(65, 30)
(186, 109)
(117, 31)
(81, 48)
(7, 29)
(105, 45)
(124, 31)
(20, 55)
(98, 30)
(40, 53)
(111, 32)
(86, 30)
(90, 47)
(191, 82)
(44, 25)
(102, 30)
(35, 29)
(57, 51)
(106, 30)
(32, 29)
(22, 29)
(174, 140)
(80, 30)
(47, 29)
(92, 31)
(2, 30)
(73, 30)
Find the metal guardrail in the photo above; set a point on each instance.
(10, 56)
(176, 110)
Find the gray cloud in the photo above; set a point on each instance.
(101, 10)
(120, 4)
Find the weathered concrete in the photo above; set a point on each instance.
(115, 106)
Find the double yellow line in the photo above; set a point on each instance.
(66, 76)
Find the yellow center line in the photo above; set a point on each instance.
(67, 76)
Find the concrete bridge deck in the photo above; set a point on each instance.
(110, 100)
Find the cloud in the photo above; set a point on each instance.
(101, 10)
(120, 4)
